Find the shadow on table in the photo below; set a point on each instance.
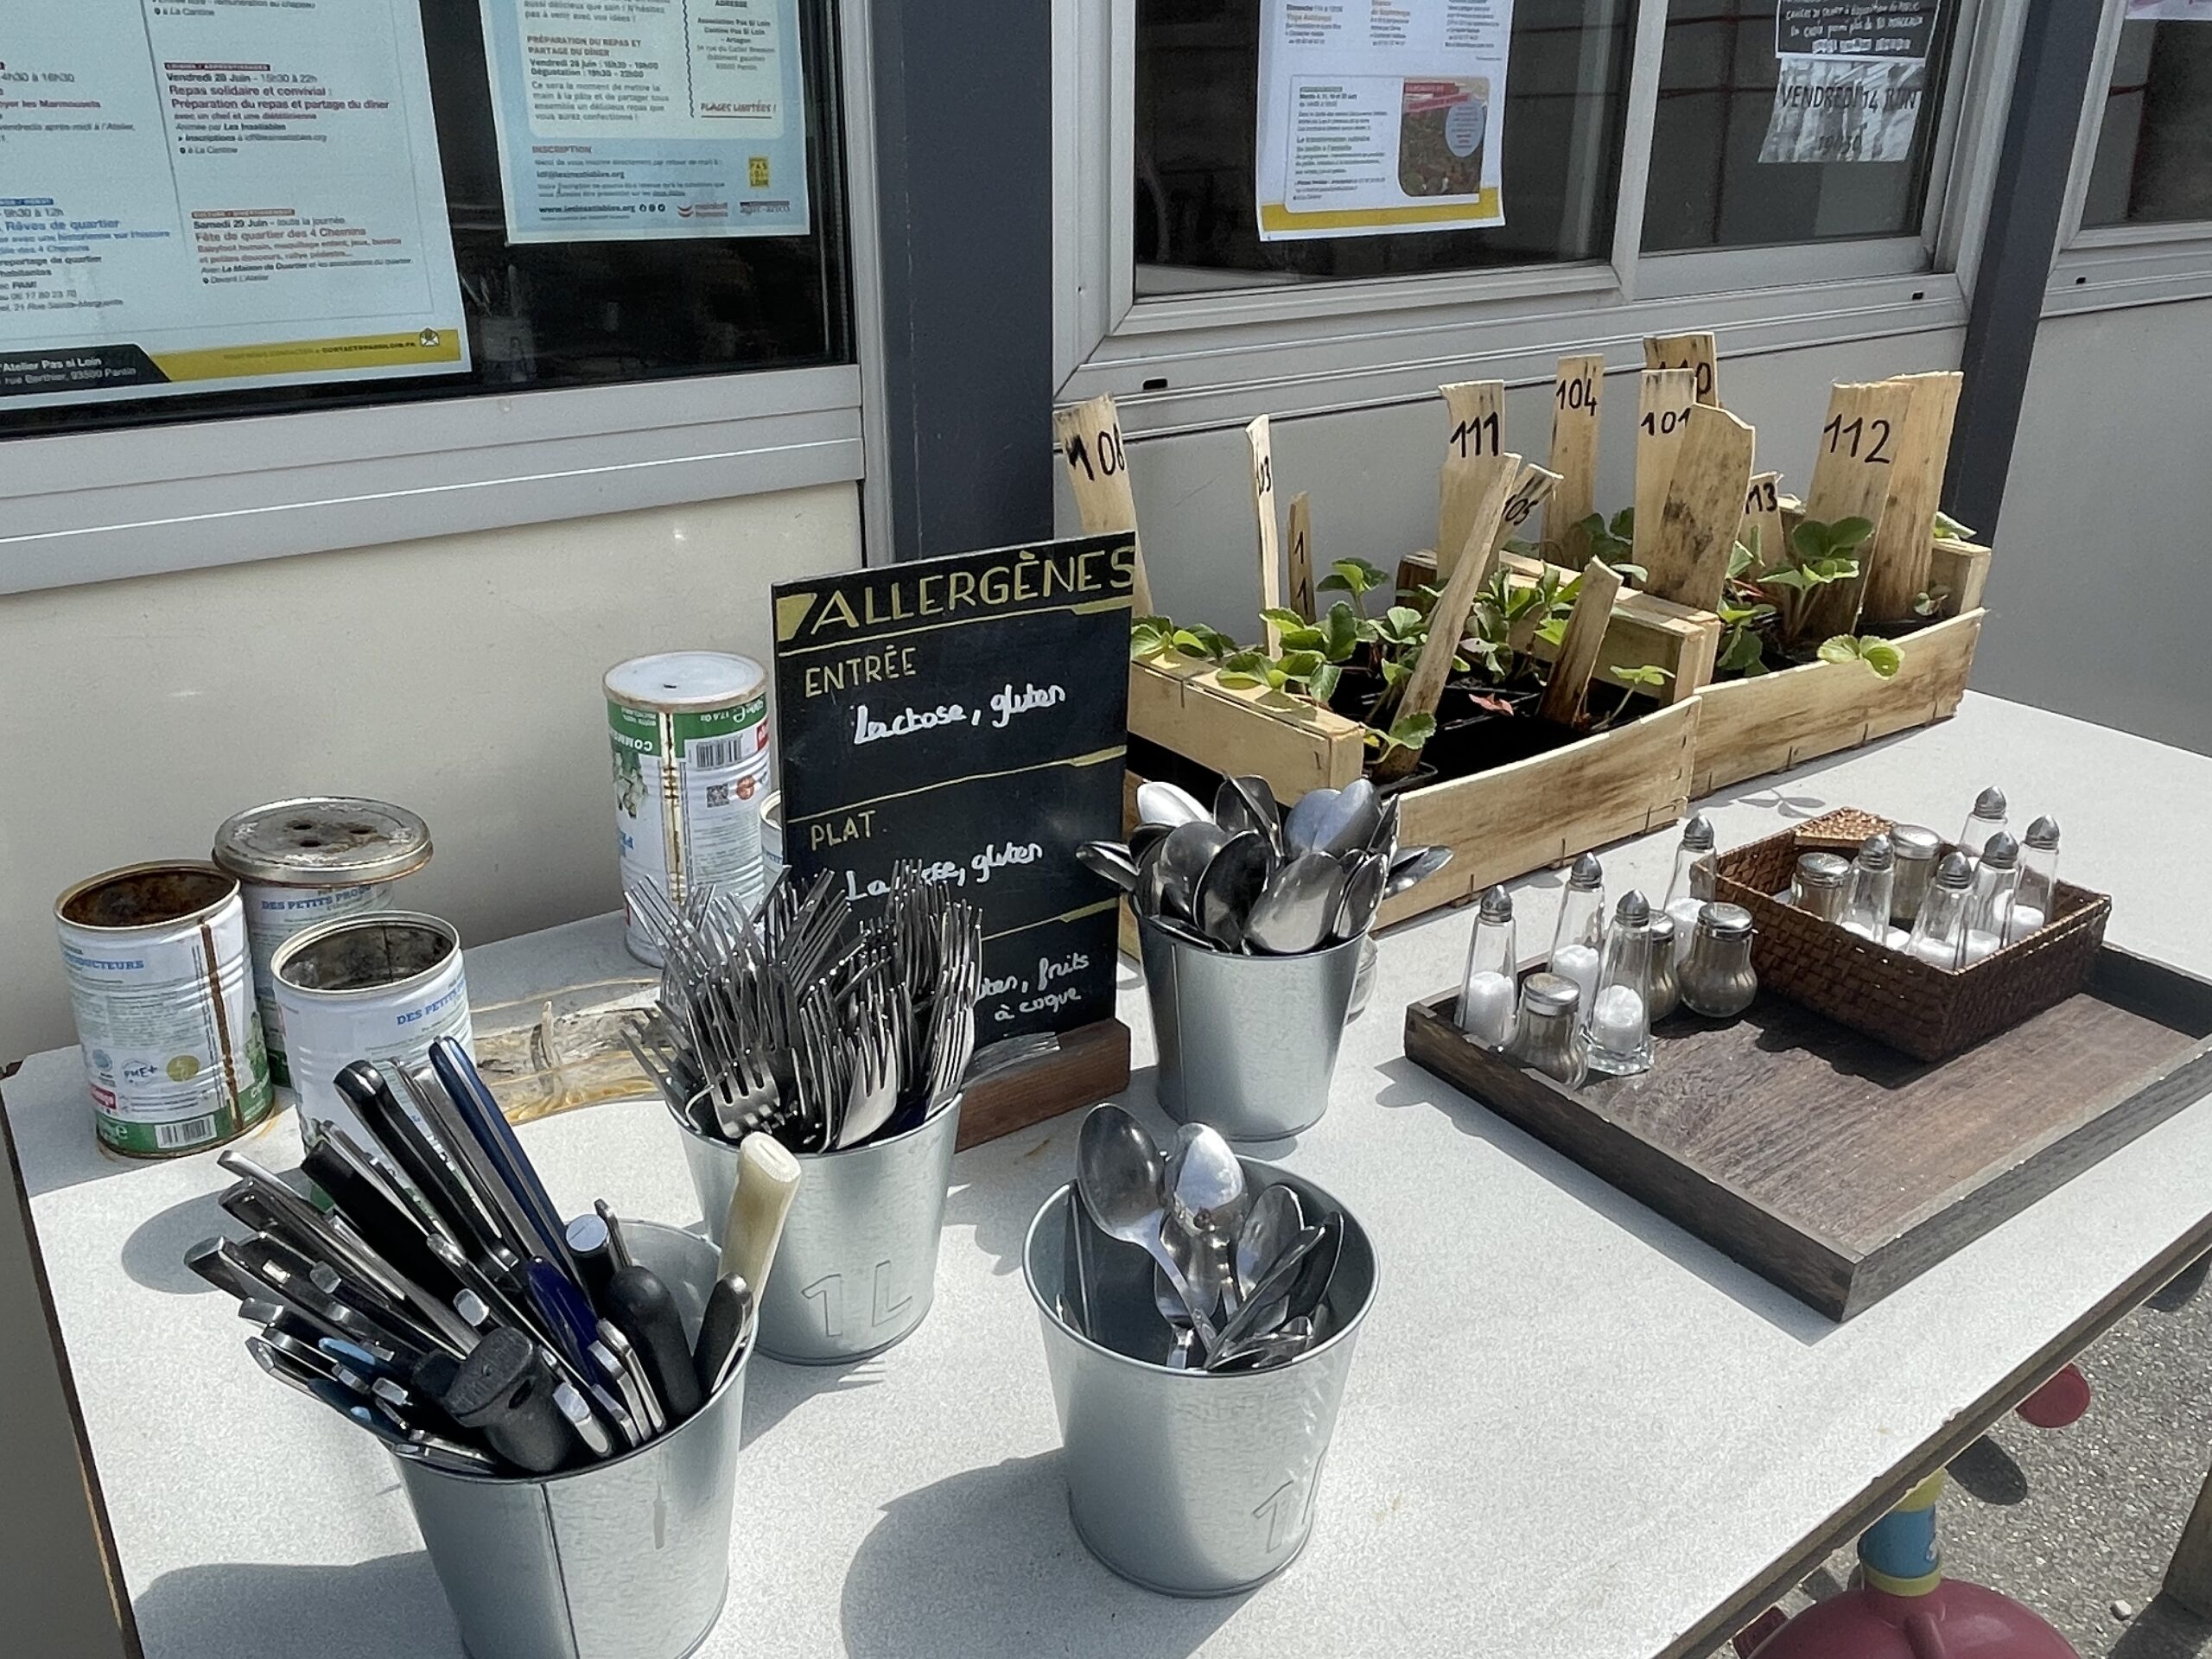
(1017, 1580)
(1410, 1085)
(773, 1390)
(2163, 1630)
(154, 1253)
(252, 1610)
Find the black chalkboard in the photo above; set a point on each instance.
(969, 714)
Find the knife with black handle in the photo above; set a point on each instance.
(641, 1307)
(505, 1393)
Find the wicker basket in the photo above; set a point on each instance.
(1927, 1012)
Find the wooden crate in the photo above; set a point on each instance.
(1499, 824)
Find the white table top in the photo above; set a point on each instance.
(1571, 1429)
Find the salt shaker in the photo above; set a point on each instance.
(1915, 851)
(1989, 908)
(1717, 979)
(1988, 818)
(1873, 874)
(1666, 976)
(1547, 1031)
(1581, 927)
(1821, 884)
(1485, 1011)
(1620, 1019)
(1692, 880)
(2038, 900)
(1939, 932)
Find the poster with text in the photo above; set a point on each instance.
(2170, 11)
(631, 120)
(1380, 120)
(1853, 79)
(209, 197)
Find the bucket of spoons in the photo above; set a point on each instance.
(847, 1044)
(1200, 1313)
(1251, 921)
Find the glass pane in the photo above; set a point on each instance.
(1197, 109)
(2154, 150)
(1755, 147)
(546, 313)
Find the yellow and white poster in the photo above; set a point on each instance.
(219, 195)
(1379, 120)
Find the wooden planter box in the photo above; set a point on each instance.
(1499, 824)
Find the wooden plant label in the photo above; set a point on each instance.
(1903, 545)
(1533, 485)
(1693, 351)
(1664, 404)
(1263, 509)
(1575, 395)
(1687, 560)
(1577, 652)
(1853, 471)
(1300, 555)
(1089, 436)
(1762, 525)
(1474, 454)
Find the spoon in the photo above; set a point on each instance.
(1413, 867)
(1276, 1218)
(1248, 803)
(1312, 1283)
(1358, 816)
(1306, 824)
(1279, 1347)
(1385, 838)
(1111, 860)
(1184, 857)
(1145, 840)
(1364, 883)
(1295, 910)
(1122, 1178)
(1274, 1287)
(1231, 886)
(1207, 1203)
(1169, 804)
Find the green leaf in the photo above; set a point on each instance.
(1300, 664)
(1411, 731)
(1629, 572)
(1339, 631)
(1285, 619)
(1884, 658)
(1951, 529)
(1554, 632)
(1303, 638)
(1744, 555)
(1395, 673)
(1809, 540)
(1354, 576)
(1404, 618)
(1321, 685)
(1840, 649)
(1847, 533)
(1246, 668)
(1742, 652)
(1644, 674)
(1623, 524)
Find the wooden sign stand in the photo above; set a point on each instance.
(1089, 1064)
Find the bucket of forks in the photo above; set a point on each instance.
(858, 1267)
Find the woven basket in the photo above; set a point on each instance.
(1927, 1012)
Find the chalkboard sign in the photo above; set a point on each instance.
(969, 714)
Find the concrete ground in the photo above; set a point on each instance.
(2079, 1522)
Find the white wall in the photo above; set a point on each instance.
(1372, 472)
(2101, 587)
(458, 676)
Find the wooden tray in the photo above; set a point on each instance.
(1835, 1166)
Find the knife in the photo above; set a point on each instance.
(541, 1221)
(418, 1157)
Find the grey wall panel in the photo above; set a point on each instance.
(2101, 587)
(1372, 472)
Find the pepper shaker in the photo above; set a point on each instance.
(1915, 851)
(1821, 886)
(1717, 979)
(1547, 1033)
(1667, 949)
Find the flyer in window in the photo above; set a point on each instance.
(213, 196)
(2170, 12)
(1853, 79)
(1380, 120)
(633, 120)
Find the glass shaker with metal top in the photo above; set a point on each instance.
(1668, 944)
(1915, 851)
(1821, 886)
(1485, 1008)
(1873, 877)
(1547, 1033)
(1717, 979)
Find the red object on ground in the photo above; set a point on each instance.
(2059, 1401)
(1953, 1621)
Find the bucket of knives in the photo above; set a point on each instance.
(1193, 1482)
(857, 1269)
(624, 1559)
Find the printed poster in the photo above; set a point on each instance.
(2170, 11)
(1853, 75)
(219, 195)
(1379, 120)
(633, 120)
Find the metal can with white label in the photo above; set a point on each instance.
(163, 996)
(301, 863)
(689, 733)
(380, 988)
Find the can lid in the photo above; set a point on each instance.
(1915, 844)
(1722, 921)
(1822, 870)
(1542, 993)
(323, 841)
(686, 679)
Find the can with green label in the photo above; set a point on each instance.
(163, 996)
(690, 741)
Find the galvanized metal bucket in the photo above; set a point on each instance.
(627, 1559)
(1186, 1482)
(1247, 1044)
(858, 1267)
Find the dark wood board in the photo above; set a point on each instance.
(1091, 1063)
(1839, 1168)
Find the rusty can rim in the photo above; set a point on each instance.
(150, 866)
(323, 841)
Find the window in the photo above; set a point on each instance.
(2153, 160)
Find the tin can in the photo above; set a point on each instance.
(158, 977)
(689, 733)
(303, 862)
(381, 986)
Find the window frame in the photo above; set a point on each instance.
(1198, 360)
(99, 506)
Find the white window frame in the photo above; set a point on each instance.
(2105, 267)
(92, 506)
(1201, 360)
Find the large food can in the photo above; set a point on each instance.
(689, 732)
(156, 958)
(303, 862)
(381, 986)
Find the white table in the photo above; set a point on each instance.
(1572, 1430)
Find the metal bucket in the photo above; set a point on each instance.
(856, 1270)
(1247, 1044)
(163, 996)
(626, 1559)
(380, 987)
(1185, 1482)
